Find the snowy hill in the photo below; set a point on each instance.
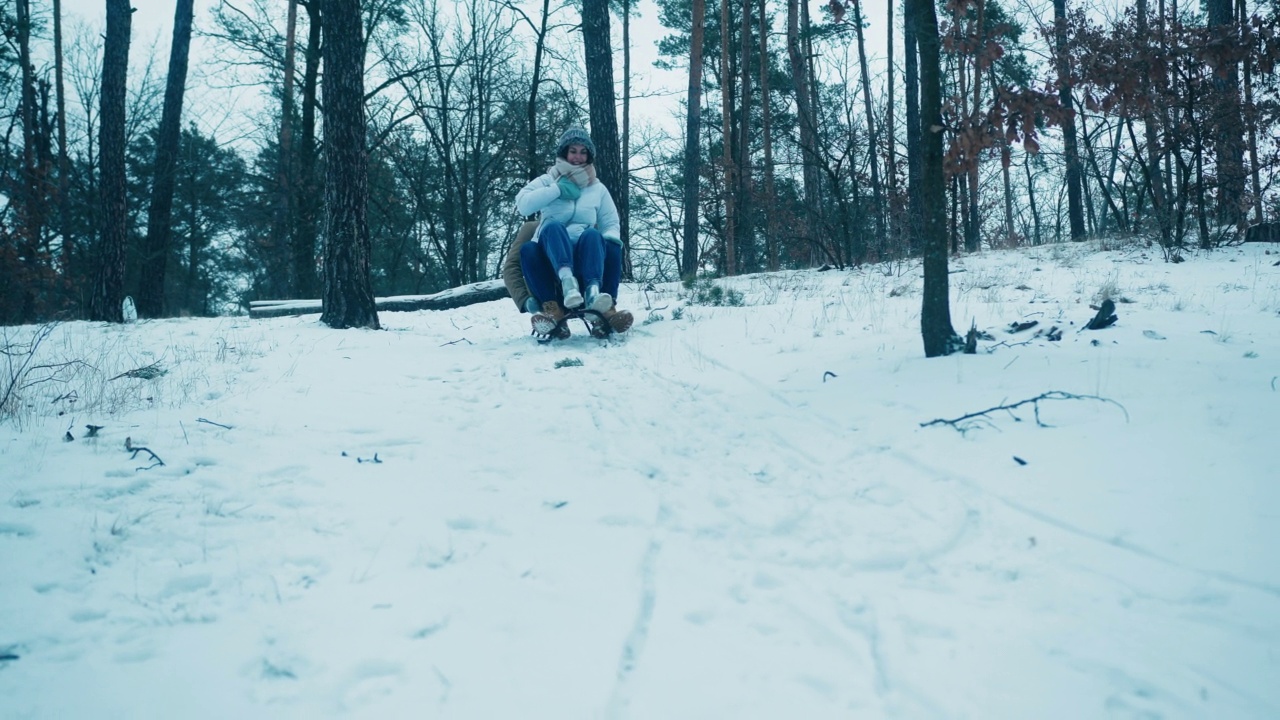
(731, 512)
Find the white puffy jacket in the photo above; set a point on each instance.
(595, 208)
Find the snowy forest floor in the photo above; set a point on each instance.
(729, 512)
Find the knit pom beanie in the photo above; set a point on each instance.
(579, 135)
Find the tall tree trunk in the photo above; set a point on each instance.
(30, 200)
(624, 184)
(1254, 174)
(286, 218)
(743, 237)
(533, 166)
(601, 98)
(309, 184)
(105, 302)
(726, 112)
(804, 110)
(155, 247)
(64, 166)
(1151, 165)
(891, 160)
(348, 290)
(1228, 126)
(973, 212)
(1075, 206)
(911, 81)
(935, 312)
(877, 191)
(1005, 161)
(766, 128)
(1038, 237)
(692, 153)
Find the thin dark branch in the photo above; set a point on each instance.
(1034, 402)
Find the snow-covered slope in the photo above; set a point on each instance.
(731, 512)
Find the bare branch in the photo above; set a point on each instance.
(1034, 402)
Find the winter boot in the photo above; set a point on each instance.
(572, 296)
(619, 320)
(547, 321)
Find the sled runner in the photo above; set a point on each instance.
(599, 329)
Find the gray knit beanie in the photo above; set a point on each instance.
(576, 134)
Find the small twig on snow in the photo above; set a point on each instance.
(1034, 402)
(135, 449)
(210, 422)
(455, 342)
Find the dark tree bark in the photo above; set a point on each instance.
(1252, 127)
(601, 98)
(804, 110)
(624, 167)
(286, 217)
(105, 302)
(692, 152)
(348, 290)
(935, 311)
(766, 131)
(873, 154)
(309, 186)
(911, 83)
(155, 247)
(1228, 140)
(726, 143)
(1152, 173)
(745, 224)
(533, 165)
(64, 166)
(1075, 204)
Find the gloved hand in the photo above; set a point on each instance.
(569, 189)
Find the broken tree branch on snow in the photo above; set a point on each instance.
(983, 415)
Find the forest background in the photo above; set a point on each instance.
(1052, 122)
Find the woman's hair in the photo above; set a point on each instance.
(563, 154)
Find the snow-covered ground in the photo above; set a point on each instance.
(732, 512)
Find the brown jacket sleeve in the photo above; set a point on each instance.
(512, 275)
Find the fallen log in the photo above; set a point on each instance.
(484, 291)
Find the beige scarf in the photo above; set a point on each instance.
(581, 175)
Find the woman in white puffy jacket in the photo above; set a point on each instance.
(575, 258)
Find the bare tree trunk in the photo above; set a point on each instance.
(911, 75)
(105, 303)
(533, 168)
(1031, 200)
(64, 166)
(877, 191)
(804, 109)
(601, 98)
(692, 153)
(155, 248)
(1252, 126)
(770, 191)
(973, 226)
(935, 312)
(624, 185)
(285, 163)
(743, 236)
(348, 290)
(1075, 206)
(309, 184)
(1228, 140)
(891, 140)
(1151, 166)
(726, 110)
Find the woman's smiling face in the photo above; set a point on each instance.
(576, 154)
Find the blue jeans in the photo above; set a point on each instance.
(593, 261)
